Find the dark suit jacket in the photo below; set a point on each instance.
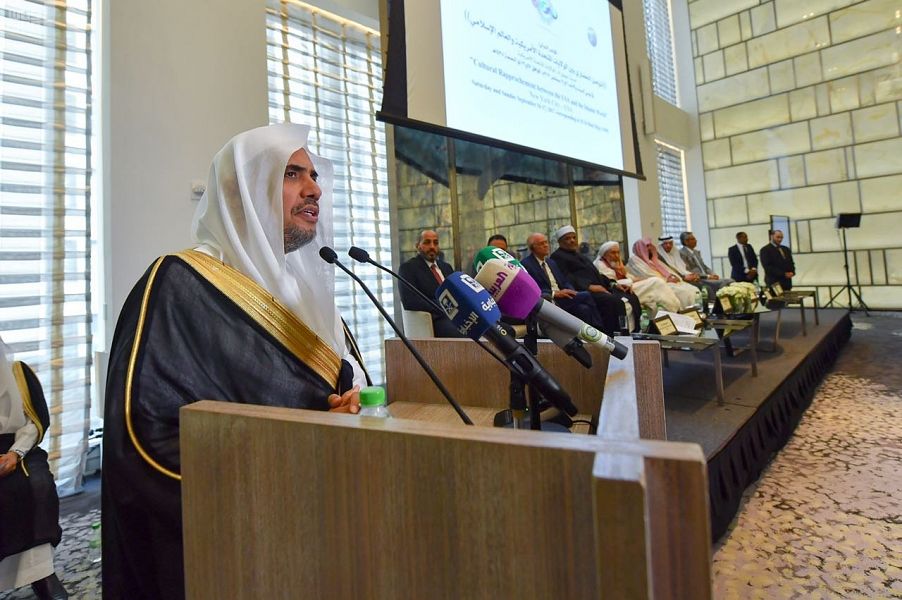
(776, 264)
(417, 272)
(738, 271)
(535, 270)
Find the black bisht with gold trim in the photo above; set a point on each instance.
(191, 329)
(29, 505)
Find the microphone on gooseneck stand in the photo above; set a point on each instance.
(328, 255)
(475, 313)
(518, 295)
(362, 256)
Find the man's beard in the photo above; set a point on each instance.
(295, 238)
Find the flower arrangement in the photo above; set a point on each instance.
(743, 297)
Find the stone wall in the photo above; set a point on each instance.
(800, 109)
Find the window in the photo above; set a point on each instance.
(326, 72)
(671, 184)
(45, 213)
(659, 34)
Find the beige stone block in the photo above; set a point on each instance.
(879, 158)
(694, 39)
(878, 266)
(866, 84)
(862, 267)
(894, 267)
(860, 55)
(712, 216)
(832, 131)
(728, 31)
(793, 11)
(843, 94)
(824, 235)
(799, 203)
(733, 90)
(875, 123)
(763, 19)
(731, 210)
(802, 104)
(886, 297)
(706, 126)
(802, 38)
(735, 60)
(824, 268)
(771, 143)
(887, 85)
(826, 166)
(716, 154)
(699, 71)
(822, 98)
(864, 18)
(850, 162)
(749, 116)
(745, 25)
(703, 12)
(744, 179)
(723, 238)
(802, 241)
(782, 77)
(808, 69)
(876, 232)
(714, 67)
(792, 171)
(881, 194)
(707, 38)
(844, 197)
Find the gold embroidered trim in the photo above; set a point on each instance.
(30, 412)
(269, 313)
(355, 349)
(129, 376)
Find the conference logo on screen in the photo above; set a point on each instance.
(547, 11)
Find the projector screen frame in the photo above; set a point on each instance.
(395, 76)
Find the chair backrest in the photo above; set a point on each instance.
(417, 324)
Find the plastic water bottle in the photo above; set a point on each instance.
(644, 320)
(372, 402)
(704, 293)
(699, 299)
(94, 552)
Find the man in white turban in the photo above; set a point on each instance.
(246, 316)
(651, 291)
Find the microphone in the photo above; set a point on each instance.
(475, 313)
(328, 255)
(490, 252)
(518, 295)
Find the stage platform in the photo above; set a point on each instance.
(758, 414)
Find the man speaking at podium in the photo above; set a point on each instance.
(247, 316)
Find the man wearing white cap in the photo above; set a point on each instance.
(611, 298)
(246, 316)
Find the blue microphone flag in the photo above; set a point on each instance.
(467, 305)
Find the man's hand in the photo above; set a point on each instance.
(623, 288)
(713, 276)
(692, 277)
(567, 293)
(8, 463)
(789, 274)
(598, 289)
(349, 402)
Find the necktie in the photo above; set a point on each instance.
(436, 273)
(783, 254)
(745, 257)
(551, 279)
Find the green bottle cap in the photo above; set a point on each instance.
(372, 396)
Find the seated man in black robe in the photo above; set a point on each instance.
(247, 316)
(29, 506)
(610, 297)
(554, 286)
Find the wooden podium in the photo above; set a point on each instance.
(282, 503)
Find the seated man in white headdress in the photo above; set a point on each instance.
(652, 291)
(29, 506)
(694, 261)
(247, 316)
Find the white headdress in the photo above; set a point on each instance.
(239, 220)
(12, 416)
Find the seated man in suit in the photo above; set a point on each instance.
(743, 262)
(555, 287)
(694, 261)
(426, 271)
(777, 262)
(611, 298)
